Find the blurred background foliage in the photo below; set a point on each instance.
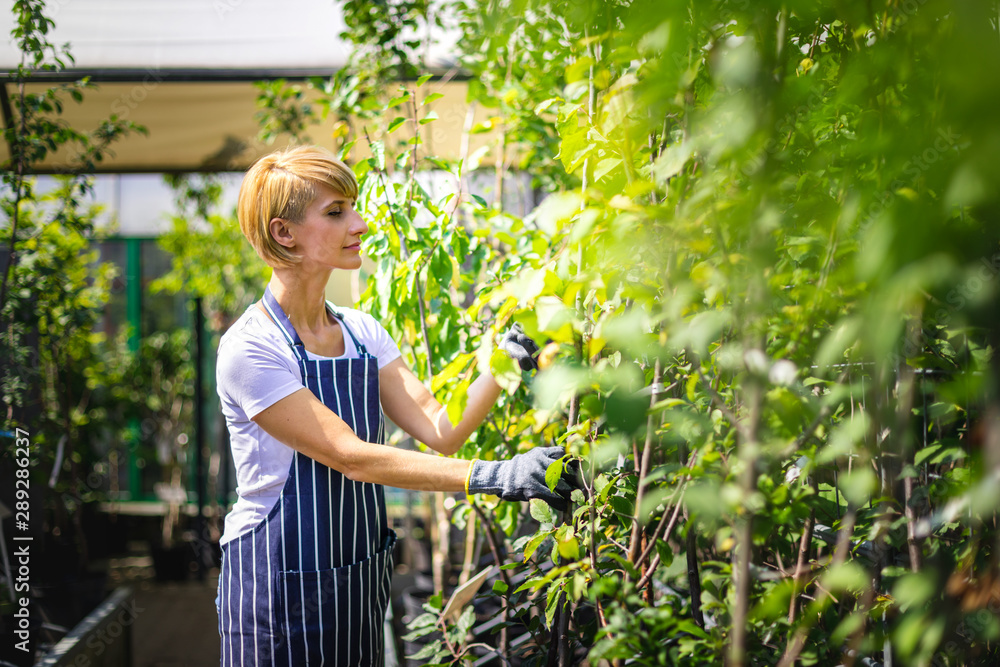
(765, 276)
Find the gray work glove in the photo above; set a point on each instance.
(523, 477)
(520, 347)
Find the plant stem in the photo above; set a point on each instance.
(694, 578)
(664, 527)
(413, 164)
(441, 526)
(800, 564)
(495, 550)
(470, 549)
(499, 168)
(906, 388)
(642, 467)
(841, 551)
(559, 653)
(652, 542)
(744, 533)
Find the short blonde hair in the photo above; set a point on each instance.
(282, 185)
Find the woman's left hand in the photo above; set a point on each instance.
(520, 347)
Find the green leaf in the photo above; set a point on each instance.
(847, 576)
(915, 590)
(541, 512)
(553, 598)
(396, 124)
(533, 584)
(424, 79)
(499, 587)
(459, 400)
(432, 97)
(553, 474)
(421, 632)
(423, 620)
(505, 371)
(533, 545)
(569, 548)
(457, 366)
(396, 101)
(606, 166)
(859, 485)
(378, 153)
(426, 652)
(466, 621)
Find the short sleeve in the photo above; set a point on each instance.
(386, 349)
(253, 375)
(373, 335)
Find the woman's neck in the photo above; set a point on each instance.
(302, 296)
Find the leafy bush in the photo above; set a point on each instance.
(763, 275)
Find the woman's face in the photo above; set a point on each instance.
(329, 234)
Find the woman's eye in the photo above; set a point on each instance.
(334, 213)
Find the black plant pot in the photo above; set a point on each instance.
(67, 602)
(412, 600)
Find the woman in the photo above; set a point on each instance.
(307, 546)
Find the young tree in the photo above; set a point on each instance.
(52, 292)
(763, 273)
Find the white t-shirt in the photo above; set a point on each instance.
(256, 368)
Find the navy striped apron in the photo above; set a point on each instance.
(309, 585)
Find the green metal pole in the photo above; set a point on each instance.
(133, 312)
(202, 544)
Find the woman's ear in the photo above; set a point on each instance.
(281, 232)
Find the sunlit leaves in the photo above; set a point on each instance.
(779, 208)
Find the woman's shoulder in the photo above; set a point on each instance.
(255, 365)
(253, 330)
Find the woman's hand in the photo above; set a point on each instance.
(523, 477)
(520, 347)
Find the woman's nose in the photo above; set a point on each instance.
(360, 226)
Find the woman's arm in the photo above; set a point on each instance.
(409, 404)
(303, 423)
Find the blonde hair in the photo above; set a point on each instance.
(282, 185)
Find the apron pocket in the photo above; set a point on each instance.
(335, 616)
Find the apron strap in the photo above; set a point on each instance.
(273, 309)
(362, 351)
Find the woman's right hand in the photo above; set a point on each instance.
(523, 477)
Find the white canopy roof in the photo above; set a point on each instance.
(184, 69)
(201, 34)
